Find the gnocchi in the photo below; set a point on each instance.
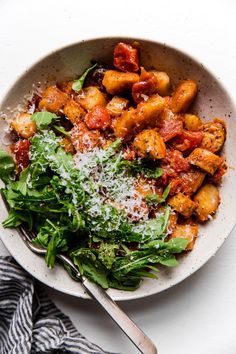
(182, 204)
(74, 112)
(187, 231)
(116, 82)
(183, 96)
(163, 82)
(53, 100)
(207, 201)
(91, 97)
(150, 144)
(24, 126)
(205, 160)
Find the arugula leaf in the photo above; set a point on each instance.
(78, 84)
(155, 198)
(16, 218)
(131, 262)
(24, 180)
(88, 265)
(152, 198)
(43, 119)
(7, 166)
(106, 254)
(169, 262)
(154, 252)
(150, 229)
(176, 245)
(141, 167)
(128, 283)
(42, 148)
(109, 222)
(110, 150)
(53, 237)
(61, 162)
(152, 173)
(165, 193)
(61, 130)
(51, 254)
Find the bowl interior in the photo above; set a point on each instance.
(212, 101)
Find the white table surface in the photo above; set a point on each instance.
(197, 316)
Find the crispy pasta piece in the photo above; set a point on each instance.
(53, 100)
(207, 201)
(163, 82)
(205, 160)
(91, 97)
(24, 126)
(182, 204)
(74, 112)
(192, 122)
(187, 231)
(132, 121)
(150, 144)
(183, 96)
(117, 105)
(117, 82)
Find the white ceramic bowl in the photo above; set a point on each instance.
(212, 101)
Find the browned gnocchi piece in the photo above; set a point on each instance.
(207, 201)
(66, 143)
(117, 105)
(163, 82)
(146, 187)
(84, 139)
(172, 221)
(191, 181)
(150, 144)
(91, 97)
(24, 126)
(150, 110)
(192, 122)
(183, 96)
(125, 124)
(187, 231)
(205, 160)
(53, 100)
(117, 82)
(213, 136)
(74, 112)
(66, 86)
(132, 121)
(182, 204)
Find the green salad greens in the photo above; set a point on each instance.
(78, 83)
(87, 207)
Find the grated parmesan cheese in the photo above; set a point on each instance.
(112, 187)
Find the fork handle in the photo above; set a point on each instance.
(132, 331)
(135, 334)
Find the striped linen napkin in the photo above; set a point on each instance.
(30, 322)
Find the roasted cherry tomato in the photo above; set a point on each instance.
(146, 86)
(126, 57)
(20, 149)
(98, 118)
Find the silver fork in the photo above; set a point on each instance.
(132, 331)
